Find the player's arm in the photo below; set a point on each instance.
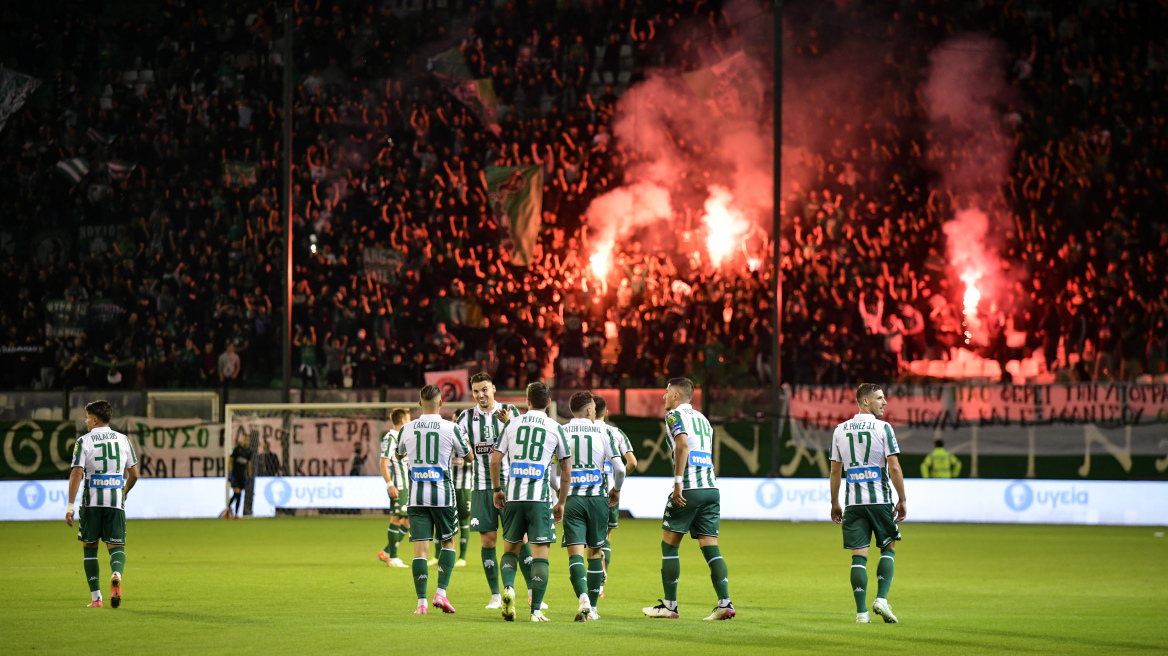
(618, 476)
(627, 446)
(400, 451)
(501, 445)
(131, 479)
(897, 477)
(565, 456)
(75, 477)
(837, 471)
(837, 511)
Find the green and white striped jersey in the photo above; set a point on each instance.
(528, 444)
(592, 453)
(699, 469)
(104, 455)
(862, 444)
(429, 443)
(482, 430)
(621, 445)
(398, 476)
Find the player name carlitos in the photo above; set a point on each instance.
(419, 424)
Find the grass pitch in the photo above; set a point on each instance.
(296, 585)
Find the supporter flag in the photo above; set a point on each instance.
(241, 173)
(74, 169)
(516, 195)
(733, 86)
(15, 88)
(478, 95)
(454, 384)
(449, 65)
(98, 137)
(120, 170)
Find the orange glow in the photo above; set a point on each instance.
(725, 224)
(599, 263)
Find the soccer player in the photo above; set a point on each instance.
(623, 447)
(428, 444)
(240, 472)
(694, 507)
(528, 443)
(483, 429)
(104, 459)
(586, 510)
(872, 461)
(397, 485)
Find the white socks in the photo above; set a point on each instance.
(441, 592)
(95, 595)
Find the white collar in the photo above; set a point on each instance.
(864, 415)
(581, 421)
(493, 410)
(684, 406)
(541, 413)
(434, 416)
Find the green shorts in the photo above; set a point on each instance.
(531, 518)
(860, 522)
(438, 522)
(700, 516)
(462, 497)
(614, 517)
(586, 521)
(484, 516)
(105, 524)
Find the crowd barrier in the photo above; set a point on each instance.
(791, 499)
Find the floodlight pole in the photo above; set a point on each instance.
(777, 318)
(286, 179)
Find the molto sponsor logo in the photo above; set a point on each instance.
(527, 470)
(585, 477)
(105, 482)
(701, 459)
(426, 474)
(863, 474)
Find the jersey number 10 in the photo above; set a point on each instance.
(430, 451)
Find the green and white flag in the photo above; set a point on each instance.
(241, 173)
(516, 195)
(478, 95)
(122, 170)
(74, 169)
(449, 64)
(15, 88)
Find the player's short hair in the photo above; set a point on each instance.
(430, 394)
(399, 416)
(481, 377)
(601, 405)
(101, 409)
(538, 396)
(684, 385)
(865, 390)
(580, 400)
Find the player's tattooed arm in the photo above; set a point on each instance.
(837, 512)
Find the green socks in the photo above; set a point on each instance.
(860, 582)
(525, 563)
(607, 549)
(884, 572)
(719, 574)
(508, 564)
(396, 533)
(421, 575)
(118, 560)
(446, 560)
(539, 579)
(670, 570)
(92, 570)
(578, 573)
(595, 576)
(490, 569)
(463, 538)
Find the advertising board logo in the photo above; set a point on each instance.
(1019, 496)
(31, 495)
(769, 494)
(278, 492)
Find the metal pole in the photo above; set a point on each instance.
(777, 318)
(286, 178)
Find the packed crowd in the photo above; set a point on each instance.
(185, 288)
